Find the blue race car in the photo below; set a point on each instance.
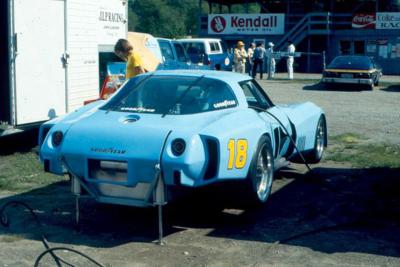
(183, 128)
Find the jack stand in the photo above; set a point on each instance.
(160, 227)
(77, 209)
(159, 200)
(76, 190)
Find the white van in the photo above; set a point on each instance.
(209, 52)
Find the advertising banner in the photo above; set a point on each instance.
(388, 20)
(112, 21)
(363, 21)
(264, 24)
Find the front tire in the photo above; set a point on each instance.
(261, 173)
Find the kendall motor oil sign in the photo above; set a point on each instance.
(263, 24)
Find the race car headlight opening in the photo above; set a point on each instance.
(178, 146)
(57, 138)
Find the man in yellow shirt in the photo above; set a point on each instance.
(124, 50)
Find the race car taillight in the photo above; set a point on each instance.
(178, 146)
(57, 138)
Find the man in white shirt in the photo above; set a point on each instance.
(290, 59)
(250, 53)
(271, 60)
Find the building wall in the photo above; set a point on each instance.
(383, 45)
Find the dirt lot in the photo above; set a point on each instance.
(337, 215)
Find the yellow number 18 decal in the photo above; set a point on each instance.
(237, 153)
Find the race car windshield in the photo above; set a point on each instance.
(351, 63)
(170, 95)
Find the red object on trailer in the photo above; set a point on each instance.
(110, 85)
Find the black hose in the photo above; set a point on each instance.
(287, 133)
(316, 231)
(50, 250)
(6, 222)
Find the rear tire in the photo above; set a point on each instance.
(261, 173)
(315, 155)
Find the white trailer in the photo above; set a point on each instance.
(51, 55)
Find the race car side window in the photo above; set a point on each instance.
(255, 96)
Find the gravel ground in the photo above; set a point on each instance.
(373, 114)
(336, 216)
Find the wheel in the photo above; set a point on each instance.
(261, 173)
(376, 83)
(315, 155)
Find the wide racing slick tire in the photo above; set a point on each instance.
(320, 142)
(261, 174)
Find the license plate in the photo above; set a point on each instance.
(347, 75)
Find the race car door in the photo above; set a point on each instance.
(258, 100)
(38, 60)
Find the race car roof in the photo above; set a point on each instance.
(226, 76)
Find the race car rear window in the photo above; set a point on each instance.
(175, 95)
(351, 63)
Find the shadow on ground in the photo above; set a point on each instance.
(336, 87)
(328, 210)
(392, 88)
(19, 142)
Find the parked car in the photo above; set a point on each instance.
(173, 54)
(352, 70)
(193, 128)
(211, 53)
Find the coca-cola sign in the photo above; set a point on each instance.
(246, 24)
(364, 21)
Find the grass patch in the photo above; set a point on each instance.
(20, 172)
(356, 150)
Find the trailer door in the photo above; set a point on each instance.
(39, 90)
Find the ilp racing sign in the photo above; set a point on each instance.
(263, 24)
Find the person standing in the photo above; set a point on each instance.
(258, 59)
(271, 60)
(250, 54)
(290, 59)
(124, 50)
(240, 57)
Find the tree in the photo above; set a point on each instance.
(163, 18)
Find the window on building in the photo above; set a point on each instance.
(359, 47)
(345, 47)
